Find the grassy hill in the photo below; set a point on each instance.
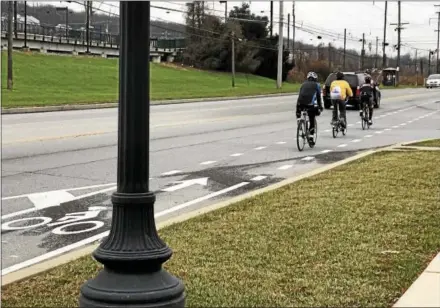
(42, 80)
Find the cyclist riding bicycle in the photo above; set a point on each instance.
(368, 94)
(339, 91)
(309, 98)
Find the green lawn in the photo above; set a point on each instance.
(428, 143)
(41, 80)
(357, 235)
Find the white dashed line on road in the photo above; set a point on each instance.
(403, 124)
(285, 167)
(171, 172)
(387, 129)
(258, 178)
(358, 122)
(326, 151)
(395, 126)
(342, 145)
(378, 132)
(327, 130)
(260, 148)
(350, 125)
(209, 162)
(368, 136)
(281, 142)
(308, 158)
(236, 154)
(356, 140)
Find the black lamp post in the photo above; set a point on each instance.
(133, 253)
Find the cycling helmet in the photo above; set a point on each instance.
(312, 76)
(368, 79)
(339, 75)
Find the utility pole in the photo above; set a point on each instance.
(15, 18)
(345, 47)
(288, 31)
(233, 58)
(67, 23)
(438, 39)
(399, 30)
(429, 61)
(226, 9)
(417, 71)
(293, 29)
(377, 51)
(87, 26)
(25, 25)
(384, 56)
(10, 83)
(280, 48)
(271, 19)
(329, 57)
(363, 51)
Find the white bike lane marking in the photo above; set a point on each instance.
(97, 237)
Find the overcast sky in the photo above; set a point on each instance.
(325, 16)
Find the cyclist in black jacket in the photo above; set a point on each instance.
(309, 98)
(368, 94)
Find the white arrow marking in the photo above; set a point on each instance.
(67, 189)
(33, 209)
(184, 184)
(54, 198)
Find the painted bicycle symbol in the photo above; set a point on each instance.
(62, 225)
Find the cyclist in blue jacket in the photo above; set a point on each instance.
(309, 98)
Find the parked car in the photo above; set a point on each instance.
(433, 81)
(355, 80)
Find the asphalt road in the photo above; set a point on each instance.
(59, 168)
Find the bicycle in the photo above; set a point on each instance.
(336, 128)
(365, 116)
(62, 224)
(303, 131)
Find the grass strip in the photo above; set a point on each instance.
(47, 80)
(428, 143)
(357, 235)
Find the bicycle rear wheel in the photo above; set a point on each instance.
(315, 135)
(301, 135)
(364, 121)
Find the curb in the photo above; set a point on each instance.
(78, 253)
(20, 110)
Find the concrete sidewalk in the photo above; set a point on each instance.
(425, 291)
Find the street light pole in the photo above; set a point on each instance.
(133, 253)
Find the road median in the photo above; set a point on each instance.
(356, 235)
(70, 107)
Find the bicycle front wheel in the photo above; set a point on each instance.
(364, 117)
(301, 135)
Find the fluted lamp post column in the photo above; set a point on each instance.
(133, 253)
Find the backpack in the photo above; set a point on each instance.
(336, 93)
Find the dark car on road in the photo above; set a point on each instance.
(355, 80)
